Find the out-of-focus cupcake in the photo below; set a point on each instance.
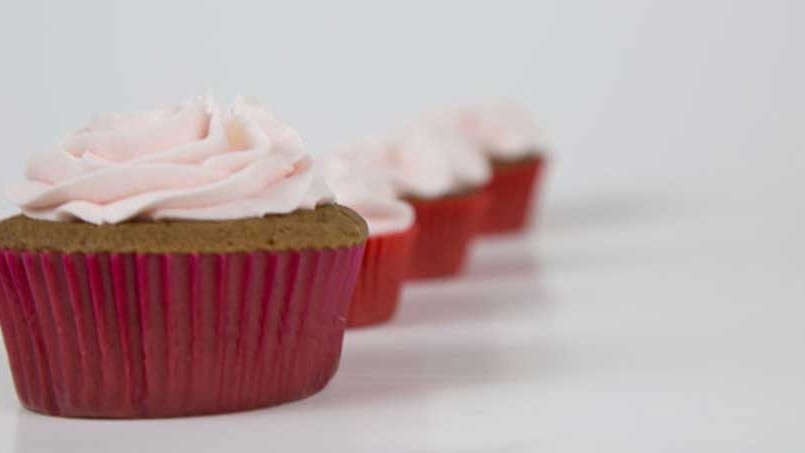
(509, 138)
(443, 176)
(175, 262)
(367, 189)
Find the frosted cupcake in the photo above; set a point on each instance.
(175, 262)
(509, 137)
(443, 177)
(365, 187)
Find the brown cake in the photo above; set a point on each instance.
(327, 226)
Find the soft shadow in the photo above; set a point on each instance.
(420, 369)
(451, 304)
(502, 282)
(256, 430)
(602, 209)
(502, 258)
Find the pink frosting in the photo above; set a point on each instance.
(429, 163)
(503, 130)
(422, 161)
(360, 181)
(189, 162)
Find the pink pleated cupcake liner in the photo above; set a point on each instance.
(160, 335)
(383, 271)
(512, 190)
(446, 228)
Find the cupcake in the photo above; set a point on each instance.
(508, 136)
(367, 189)
(175, 262)
(443, 177)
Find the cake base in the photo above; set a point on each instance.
(511, 195)
(445, 229)
(166, 335)
(383, 270)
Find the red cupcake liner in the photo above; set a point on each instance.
(160, 335)
(511, 191)
(383, 270)
(445, 229)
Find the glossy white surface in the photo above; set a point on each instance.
(660, 306)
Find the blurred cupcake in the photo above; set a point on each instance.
(367, 189)
(175, 262)
(442, 176)
(508, 137)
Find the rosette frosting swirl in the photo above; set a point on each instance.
(505, 131)
(360, 181)
(426, 162)
(193, 161)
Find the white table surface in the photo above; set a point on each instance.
(634, 319)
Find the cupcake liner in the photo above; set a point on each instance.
(159, 335)
(383, 270)
(445, 229)
(511, 190)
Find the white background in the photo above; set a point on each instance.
(658, 307)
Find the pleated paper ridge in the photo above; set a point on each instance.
(383, 270)
(159, 335)
(445, 229)
(511, 193)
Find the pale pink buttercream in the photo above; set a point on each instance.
(189, 162)
(360, 181)
(421, 161)
(505, 131)
(428, 162)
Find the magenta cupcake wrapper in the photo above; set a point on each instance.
(159, 335)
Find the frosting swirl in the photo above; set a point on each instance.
(188, 162)
(505, 131)
(360, 182)
(428, 163)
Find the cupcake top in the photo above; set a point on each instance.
(360, 182)
(194, 161)
(504, 131)
(426, 162)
